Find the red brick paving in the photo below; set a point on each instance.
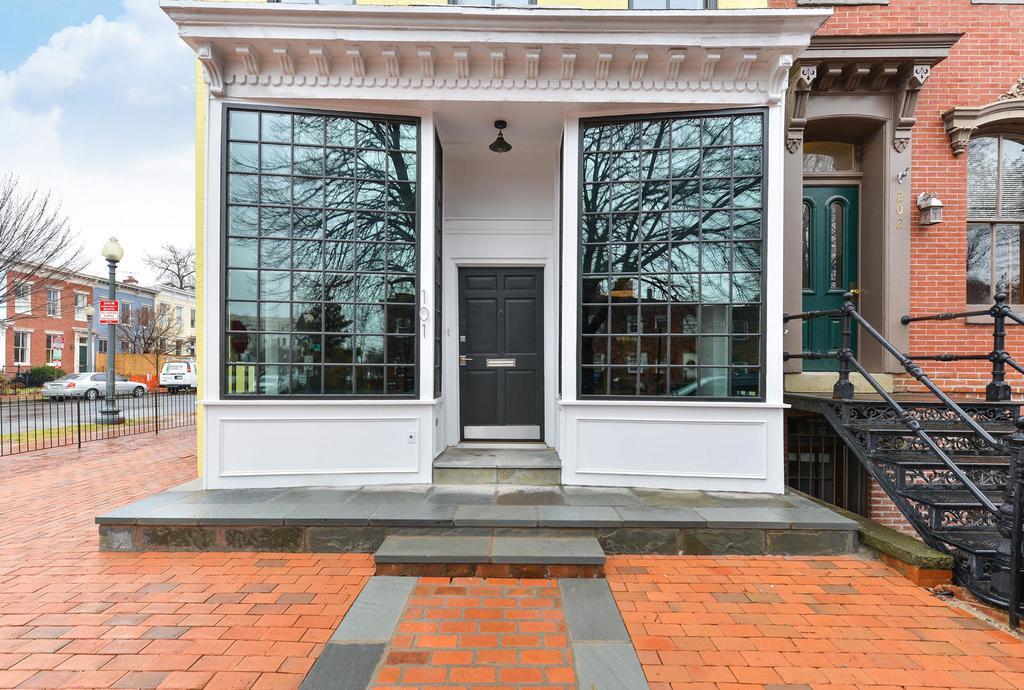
(714, 623)
(475, 633)
(72, 617)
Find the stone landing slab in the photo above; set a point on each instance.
(624, 521)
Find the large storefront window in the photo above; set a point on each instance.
(320, 254)
(995, 218)
(670, 255)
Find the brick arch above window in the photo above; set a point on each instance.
(1002, 116)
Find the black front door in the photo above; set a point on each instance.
(501, 372)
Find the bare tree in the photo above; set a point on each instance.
(149, 333)
(37, 243)
(175, 266)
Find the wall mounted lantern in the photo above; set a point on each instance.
(499, 145)
(930, 206)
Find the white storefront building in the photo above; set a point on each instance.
(381, 285)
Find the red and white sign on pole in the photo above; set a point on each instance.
(57, 342)
(110, 312)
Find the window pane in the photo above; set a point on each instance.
(979, 263)
(1011, 196)
(1007, 260)
(243, 125)
(807, 246)
(321, 259)
(837, 241)
(982, 155)
(651, 258)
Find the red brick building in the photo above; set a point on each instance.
(896, 99)
(980, 78)
(45, 322)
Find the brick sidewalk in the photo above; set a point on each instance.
(713, 623)
(470, 632)
(73, 617)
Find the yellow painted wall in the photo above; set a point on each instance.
(200, 258)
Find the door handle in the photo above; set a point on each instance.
(464, 360)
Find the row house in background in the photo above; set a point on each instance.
(137, 302)
(44, 320)
(178, 307)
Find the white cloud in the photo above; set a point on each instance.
(103, 116)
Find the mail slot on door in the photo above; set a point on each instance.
(501, 362)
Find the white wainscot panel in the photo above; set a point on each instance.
(319, 447)
(672, 448)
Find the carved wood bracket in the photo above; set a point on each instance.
(905, 103)
(802, 79)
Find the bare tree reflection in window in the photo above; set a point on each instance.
(670, 207)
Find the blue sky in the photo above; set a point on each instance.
(30, 24)
(96, 97)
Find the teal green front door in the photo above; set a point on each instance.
(829, 266)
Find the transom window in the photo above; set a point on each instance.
(829, 157)
(321, 254)
(995, 217)
(670, 256)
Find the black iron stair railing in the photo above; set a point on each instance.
(998, 388)
(1005, 583)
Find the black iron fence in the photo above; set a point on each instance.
(33, 422)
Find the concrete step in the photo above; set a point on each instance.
(490, 556)
(525, 466)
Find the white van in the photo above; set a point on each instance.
(175, 376)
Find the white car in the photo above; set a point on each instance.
(91, 385)
(176, 376)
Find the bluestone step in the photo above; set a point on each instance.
(490, 556)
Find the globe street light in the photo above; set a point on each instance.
(109, 414)
(90, 365)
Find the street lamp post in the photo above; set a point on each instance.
(109, 413)
(90, 365)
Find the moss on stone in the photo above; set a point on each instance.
(888, 541)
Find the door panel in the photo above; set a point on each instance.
(830, 234)
(501, 340)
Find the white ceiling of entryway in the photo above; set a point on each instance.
(472, 122)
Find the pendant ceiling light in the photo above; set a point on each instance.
(499, 145)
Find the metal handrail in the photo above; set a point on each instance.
(1007, 576)
(844, 389)
(918, 374)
